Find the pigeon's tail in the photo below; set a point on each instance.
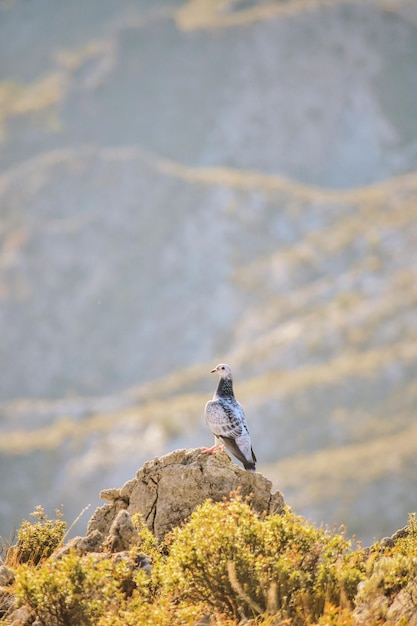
(250, 465)
(231, 445)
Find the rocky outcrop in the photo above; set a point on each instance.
(377, 608)
(166, 491)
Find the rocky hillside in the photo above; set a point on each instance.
(193, 539)
(185, 183)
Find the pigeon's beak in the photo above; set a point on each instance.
(213, 371)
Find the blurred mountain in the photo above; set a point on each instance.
(184, 183)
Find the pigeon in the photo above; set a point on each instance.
(226, 420)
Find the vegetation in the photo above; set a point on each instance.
(72, 590)
(240, 564)
(227, 563)
(37, 541)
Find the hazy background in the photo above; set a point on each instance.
(184, 183)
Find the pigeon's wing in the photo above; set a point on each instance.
(243, 438)
(223, 419)
(246, 443)
(214, 416)
(226, 421)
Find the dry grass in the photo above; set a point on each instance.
(197, 14)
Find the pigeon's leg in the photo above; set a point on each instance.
(218, 445)
(213, 449)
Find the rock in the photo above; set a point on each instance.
(91, 543)
(20, 617)
(166, 491)
(375, 606)
(122, 533)
(110, 494)
(102, 519)
(371, 610)
(378, 608)
(121, 537)
(7, 601)
(6, 576)
(403, 609)
(389, 542)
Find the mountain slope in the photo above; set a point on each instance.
(188, 183)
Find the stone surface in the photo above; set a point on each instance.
(390, 542)
(122, 533)
(102, 519)
(377, 608)
(91, 543)
(7, 601)
(6, 576)
(403, 609)
(168, 489)
(21, 617)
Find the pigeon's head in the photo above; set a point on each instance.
(223, 370)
